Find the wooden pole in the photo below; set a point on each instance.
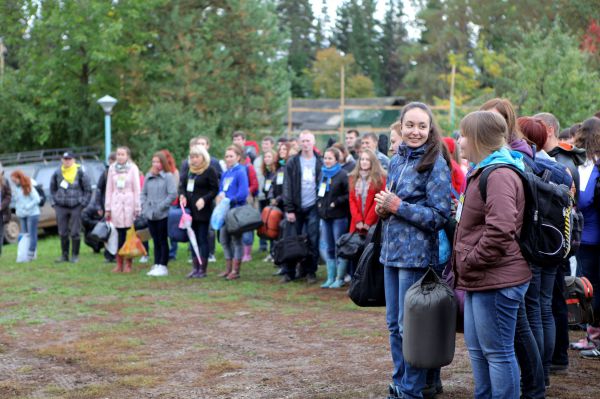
(289, 129)
(342, 94)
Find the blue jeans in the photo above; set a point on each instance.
(490, 321)
(29, 225)
(529, 358)
(538, 303)
(561, 316)
(409, 379)
(331, 230)
(588, 265)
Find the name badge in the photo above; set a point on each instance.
(307, 174)
(279, 180)
(120, 181)
(190, 185)
(268, 185)
(64, 184)
(322, 188)
(227, 183)
(460, 207)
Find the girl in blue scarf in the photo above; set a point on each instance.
(332, 206)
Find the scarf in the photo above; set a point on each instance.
(122, 168)
(328, 173)
(69, 174)
(200, 169)
(282, 162)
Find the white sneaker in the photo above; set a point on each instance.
(160, 271)
(212, 259)
(347, 278)
(144, 260)
(268, 259)
(152, 270)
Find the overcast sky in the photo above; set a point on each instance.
(332, 6)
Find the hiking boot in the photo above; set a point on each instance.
(75, 251)
(64, 249)
(119, 267)
(235, 272)
(228, 266)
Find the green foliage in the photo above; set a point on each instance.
(326, 74)
(205, 67)
(549, 73)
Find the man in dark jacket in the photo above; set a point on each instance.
(299, 199)
(70, 193)
(570, 157)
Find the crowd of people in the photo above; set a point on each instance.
(515, 315)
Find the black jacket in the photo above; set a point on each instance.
(6, 198)
(338, 195)
(292, 185)
(184, 169)
(206, 186)
(77, 194)
(571, 160)
(276, 191)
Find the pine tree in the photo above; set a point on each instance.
(393, 48)
(297, 20)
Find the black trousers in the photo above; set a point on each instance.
(69, 221)
(160, 237)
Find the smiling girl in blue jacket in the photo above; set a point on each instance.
(234, 186)
(415, 205)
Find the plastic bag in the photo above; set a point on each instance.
(217, 220)
(101, 232)
(23, 248)
(112, 244)
(133, 247)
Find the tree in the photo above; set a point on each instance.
(296, 19)
(326, 73)
(357, 32)
(549, 73)
(393, 48)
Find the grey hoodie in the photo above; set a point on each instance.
(158, 193)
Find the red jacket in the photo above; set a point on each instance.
(458, 177)
(252, 178)
(369, 217)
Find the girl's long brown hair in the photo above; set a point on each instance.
(273, 167)
(24, 181)
(376, 174)
(588, 137)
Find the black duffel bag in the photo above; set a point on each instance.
(100, 232)
(350, 245)
(367, 288)
(241, 219)
(290, 248)
(430, 312)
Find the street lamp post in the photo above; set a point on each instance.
(107, 103)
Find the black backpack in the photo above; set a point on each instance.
(547, 222)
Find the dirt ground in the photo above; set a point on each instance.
(228, 351)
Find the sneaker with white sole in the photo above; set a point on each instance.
(152, 270)
(160, 271)
(212, 258)
(144, 260)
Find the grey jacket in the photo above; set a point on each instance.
(77, 194)
(158, 193)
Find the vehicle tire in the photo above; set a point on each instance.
(12, 230)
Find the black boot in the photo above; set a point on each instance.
(75, 252)
(202, 269)
(195, 269)
(64, 247)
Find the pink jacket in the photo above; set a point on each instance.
(123, 195)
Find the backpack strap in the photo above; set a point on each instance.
(485, 174)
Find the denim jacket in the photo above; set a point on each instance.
(410, 236)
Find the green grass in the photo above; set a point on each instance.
(42, 292)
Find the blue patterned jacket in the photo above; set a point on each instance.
(410, 237)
